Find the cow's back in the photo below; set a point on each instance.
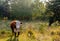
(13, 24)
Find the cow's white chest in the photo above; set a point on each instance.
(17, 24)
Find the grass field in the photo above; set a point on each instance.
(39, 30)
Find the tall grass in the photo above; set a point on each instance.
(37, 28)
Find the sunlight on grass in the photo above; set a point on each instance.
(38, 32)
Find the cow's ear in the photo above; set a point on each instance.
(21, 23)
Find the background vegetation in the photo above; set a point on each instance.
(24, 10)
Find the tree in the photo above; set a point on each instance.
(21, 9)
(54, 6)
(38, 9)
(4, 8)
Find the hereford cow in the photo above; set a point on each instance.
(15, 27)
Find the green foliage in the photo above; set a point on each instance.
(53, 5)
(26, 10)
(38, 10)
(21, 10)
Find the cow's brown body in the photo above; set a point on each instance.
(13, 27)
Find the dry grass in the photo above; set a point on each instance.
(39, 32)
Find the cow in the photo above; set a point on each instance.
(15, 27)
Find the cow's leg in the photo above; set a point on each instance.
(18, 34)
(15, 34)
(12, 31)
